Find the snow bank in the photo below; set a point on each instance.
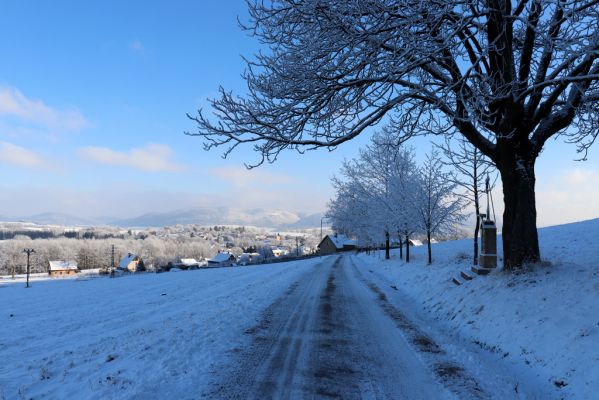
(544, 321)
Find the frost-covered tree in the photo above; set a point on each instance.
(372, 174)
(350, 213)
(439, 209)
(375, 193)
(505, 75)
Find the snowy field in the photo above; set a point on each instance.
(544, 323)
(182, 334)
(147, 336)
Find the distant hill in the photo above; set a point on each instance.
(60, 219)
(264, 218)
(224, 216)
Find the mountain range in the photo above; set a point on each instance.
(266, 218)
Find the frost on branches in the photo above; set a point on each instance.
(383, 193)
(504, 75)
(439, 209)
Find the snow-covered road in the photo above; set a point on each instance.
(334, 334)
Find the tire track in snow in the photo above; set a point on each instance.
(326, 338)
(267, 369)
(452, 375)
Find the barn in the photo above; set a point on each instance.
(250, 258)
(416, 242)
(189, 263)
(222, 260)
(335, 243)
(62, 268)
(132, 263)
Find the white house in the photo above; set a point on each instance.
(278, 252)
(334, 243)
(222, 260)
(59, 268)
(416, 242)
(250, 258)
(132, 263)
(189, 263)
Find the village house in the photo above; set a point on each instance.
(189, 263)
(222, 260)
(62, 268)
(250, 258)
(416, 242)
(335, 243)
(279, 252)
(132, 263)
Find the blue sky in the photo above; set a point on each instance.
(93, 97)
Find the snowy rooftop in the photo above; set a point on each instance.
(62, 265)
(341, 240)
(189, 261)
(125, 261)
(220, 257)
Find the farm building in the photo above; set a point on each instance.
(250, 258)
(189, 263)
(222, 260)
(278, 252)
(335, 243)
(132, 263)
(61, 268)
(416, 242)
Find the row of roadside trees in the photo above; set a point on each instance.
(383, 195)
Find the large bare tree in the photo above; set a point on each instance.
(505, 75)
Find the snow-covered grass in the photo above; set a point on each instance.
(43, 276)
(145, 336)
(160, 335)
(544, 320)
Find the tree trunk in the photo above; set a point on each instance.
(400, 246)
(477, 223)
(387, 255)
(407, 248)
(519, 233)
(430, 252)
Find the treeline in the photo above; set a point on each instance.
(97, 253)
(49, 234)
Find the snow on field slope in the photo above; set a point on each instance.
(545, 322)
(147, 336)
(165, 335)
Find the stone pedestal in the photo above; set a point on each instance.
(488, 241)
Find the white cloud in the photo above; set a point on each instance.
(20, 156)
(151, 157)
(242, 177)
(16, 105)
(137, 46)
(580, 176)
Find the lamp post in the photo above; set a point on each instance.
(28, 251)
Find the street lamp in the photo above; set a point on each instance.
(28, 251)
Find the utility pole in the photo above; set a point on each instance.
(297, 246)
(322, 219)
(28, 251)
(112, 259)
